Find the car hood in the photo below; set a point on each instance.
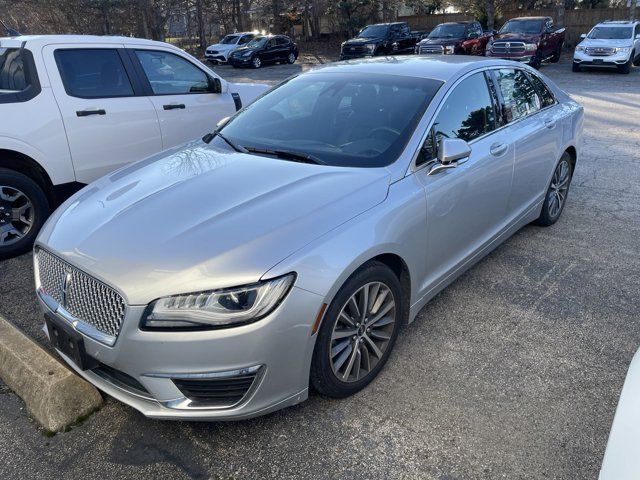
(596, 42)
(201, 218)
(521, 37)
(362, 40)
(440, 41)
(245, 49)
(222, 47)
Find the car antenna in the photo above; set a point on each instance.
(10, 31)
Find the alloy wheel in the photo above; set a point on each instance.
(16, 215)
(558, 190)
(291, 58)
(362, 332)
(257, 62)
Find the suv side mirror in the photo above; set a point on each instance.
(215, 85)
(583, 35)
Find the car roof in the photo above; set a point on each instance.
(621, 23)
(530, 18)
(443, 68)
(35, 41)
(465, 22)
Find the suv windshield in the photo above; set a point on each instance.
(522, 26)
(610, 33)
(342, 119)
(257, 42)
(229, 39)
(12, 75)
(447, 31)
(373, 31)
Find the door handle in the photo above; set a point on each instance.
(174, 106)
(86, 113)
(498, 149)
(549, 123)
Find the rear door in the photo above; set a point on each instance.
(108, 121)
(466, 205)
(534, 126)
(182, 94)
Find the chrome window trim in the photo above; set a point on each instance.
(415, 168)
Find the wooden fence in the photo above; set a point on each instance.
(575, 21)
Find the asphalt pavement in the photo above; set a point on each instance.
(514, 371)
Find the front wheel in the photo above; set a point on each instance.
(23, 210)
(256, 62)
(576, 67)
(556, 55)
(291, 58)
(358, 332)
(556, 196)
(626, 68)
(536, 62)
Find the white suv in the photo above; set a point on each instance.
(609, 44)
(73, 108)
(219, 52)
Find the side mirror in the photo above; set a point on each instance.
(560, 30)
(638, 36)
(451, 150)
(583, 35)
(215, 85)
(222, 122)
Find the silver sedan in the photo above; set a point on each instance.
(224, 279)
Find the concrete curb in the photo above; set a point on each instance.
(55, 396)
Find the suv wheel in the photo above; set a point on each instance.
(358, 332)
(536, 62)
(291, 58)
(576, 67)
(23, 210)
(256, 62)
(557, 54)
(556, 197)
(626, 67)
(636, 60)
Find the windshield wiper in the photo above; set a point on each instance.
(216, 133)
(287, 155)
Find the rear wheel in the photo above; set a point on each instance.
(556, 197)
(358, 332)
(23, 210)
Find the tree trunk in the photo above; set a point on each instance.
(202, 38)
(490, 10)
(560, 13)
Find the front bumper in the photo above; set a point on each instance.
(279, 348)
(240, 61)
(614, 60)
(216, 57)
(351, 55)
(527, 57)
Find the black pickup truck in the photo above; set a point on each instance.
(381, 39)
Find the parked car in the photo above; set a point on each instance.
(265, 49)
(381, 39)
(621, 461)
(74, 108)
(220, 280)
(529, 40)
(219, 52)
(609, 44)
(459, 38)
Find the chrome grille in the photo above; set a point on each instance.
(599, 51)
(352, 50)
(507, 47)
(430, 49)
(86, 298)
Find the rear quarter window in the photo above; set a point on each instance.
(18, 78)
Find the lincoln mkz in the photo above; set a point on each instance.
(283, 252)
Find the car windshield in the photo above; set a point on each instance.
(229, 39)
(257, 42)
(522, 26)
(341, 119)
(448, 31)
(373, 31)
(610, 33)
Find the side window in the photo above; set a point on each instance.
(637, 32)
(283, 41)
(93, 73)
(170, 74)
(271, 43)
(406, 30)
(546, 97)
(519, 96)
(12, 74)
(467, 113)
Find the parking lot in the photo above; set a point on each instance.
(514, 371)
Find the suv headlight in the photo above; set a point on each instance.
(218, 308)
(623, 49)
(580, 48)
(530, 46)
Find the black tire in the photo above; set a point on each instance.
(636, 60)
(556, 54)
(536, 62)
(547, 216)
(256, 62)
(322, 377)
(14, 181)
(576, 67)
(291, 58)
(626, 68)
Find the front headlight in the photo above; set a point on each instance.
(218, 308)
(623, 49)
(449, 50)
(530, 46)
(246, 54)
(370, 47)
(580, 48)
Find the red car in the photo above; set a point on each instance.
(459, 38)
(529, 40)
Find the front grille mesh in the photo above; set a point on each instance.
(513, 47)
(431, 49)
(87, 299)
(600, 51)
(218, 392)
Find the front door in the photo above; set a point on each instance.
(466, 205)
(182, 95)
(108, 121)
